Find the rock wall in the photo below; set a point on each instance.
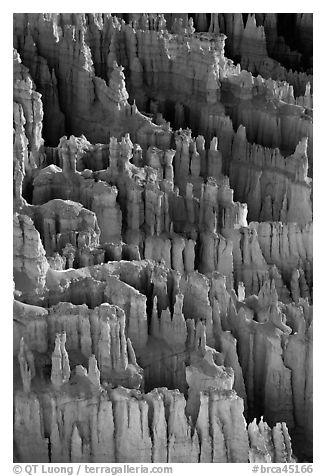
(162, 237)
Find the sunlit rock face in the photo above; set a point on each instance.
(162, 251)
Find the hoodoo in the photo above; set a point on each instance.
(163, 266)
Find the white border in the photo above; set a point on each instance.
(319, 197)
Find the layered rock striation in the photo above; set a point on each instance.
(163, 261)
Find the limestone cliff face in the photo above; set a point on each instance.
(30, 263)
(28, 420)
(47, 84)
(162, 237)
(273, 328)
(32, 109)
(123, 426)
(268, 445)
(146, 55)
(253, 45)
(61, 223)
(269, 183)
(83, 327)
(256, 39)
(151, 212)
(158, 212)
(250, 266)
(54, 183)
(87, 334)
(30, 324)
(134, 305)
(20, 154)
(257, 362)
(101, 332)
(68, 54)
(289, 247)
(115, 354)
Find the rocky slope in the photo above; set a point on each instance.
(162, 238)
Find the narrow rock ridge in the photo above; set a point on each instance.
(162, 252)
